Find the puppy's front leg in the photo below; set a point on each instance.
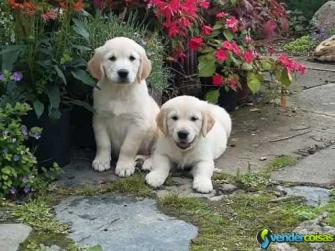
(202, 174)
(103, 154)
(125, 165)
(160, 170)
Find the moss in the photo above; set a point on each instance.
(233, 223)
(134, 185)
(281, 162)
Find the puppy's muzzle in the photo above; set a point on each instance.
(183, 135)
(123, 75)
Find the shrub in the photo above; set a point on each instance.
(101, 28)
(18, 169)
(307, 7)
(300, 45)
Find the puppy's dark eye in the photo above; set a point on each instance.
(193, 118)
(132, 58)
(174, 117)
(112, 58)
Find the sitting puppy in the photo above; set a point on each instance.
(125, 115)
(193, 133)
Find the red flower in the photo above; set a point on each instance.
(178, 54)
(206, 30)
(248, 56)
(232, 46)
(233, 83)
(50, 15)
(291, 65)
(196, 43)
(204, 5)
(232, 23)
(217, 80)
(221, 15)
(221, 55)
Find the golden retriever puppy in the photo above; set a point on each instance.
(124, 119)
(193, 134)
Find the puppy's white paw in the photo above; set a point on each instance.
(125, 168)
(155, 178)
(202, 185)
(101, 164)
(147, 165)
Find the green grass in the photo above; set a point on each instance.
(281, 162)
(233, 223)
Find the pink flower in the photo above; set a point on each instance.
(247, 39)
(248, 56)
(50, 15)
(217, 80)
(196, 43)
(233, 83)
(232, 23)
(290, 64)
(232, 46)
(179, 54)
(221, 15)
(204, 5)
(206, 30)
(221, 55)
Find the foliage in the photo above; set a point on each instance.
(93, 31)
(18, 170)
(303, 44)
(229, 55)
(42, 51)
(6, 24)
(18, 165)
(307, 7)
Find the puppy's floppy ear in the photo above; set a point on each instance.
(207, 123)
(161, 121)
(144, 69)
(95, 64)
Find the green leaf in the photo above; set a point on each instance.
(95, 248)
(54, 114)
(285, 78)
(84, 77)
(82, 48)
(228, 35)
(54, 96)
(80, 29)
(212, 96)
(254, 81)
(218, 26)
(233, 2)
(206, 66)
(38, 107)
(60, 74)
(10, 56)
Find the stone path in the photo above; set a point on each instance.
(12, 235)
(122, 223)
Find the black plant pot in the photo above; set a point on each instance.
(82, 129)
(228, 99)
(55, 143)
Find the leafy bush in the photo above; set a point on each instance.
(18, 169)
(6, 24)
(307, 7)
(95, 31)
(18, 166)
(301, 45)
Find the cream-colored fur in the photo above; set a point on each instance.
(208, 127)
(124, 119)
(325, 51)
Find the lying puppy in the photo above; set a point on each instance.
(125, 115)
(193, 133)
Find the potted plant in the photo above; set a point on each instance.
(43, 54)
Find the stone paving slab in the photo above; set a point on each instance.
(320, 99)
(123, 223)
(317, 169)
(12, 235)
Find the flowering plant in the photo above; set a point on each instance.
(228, 55)
(42, 51)
(17, 163)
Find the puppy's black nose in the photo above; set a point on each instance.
(123, 73)
(182, 134)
